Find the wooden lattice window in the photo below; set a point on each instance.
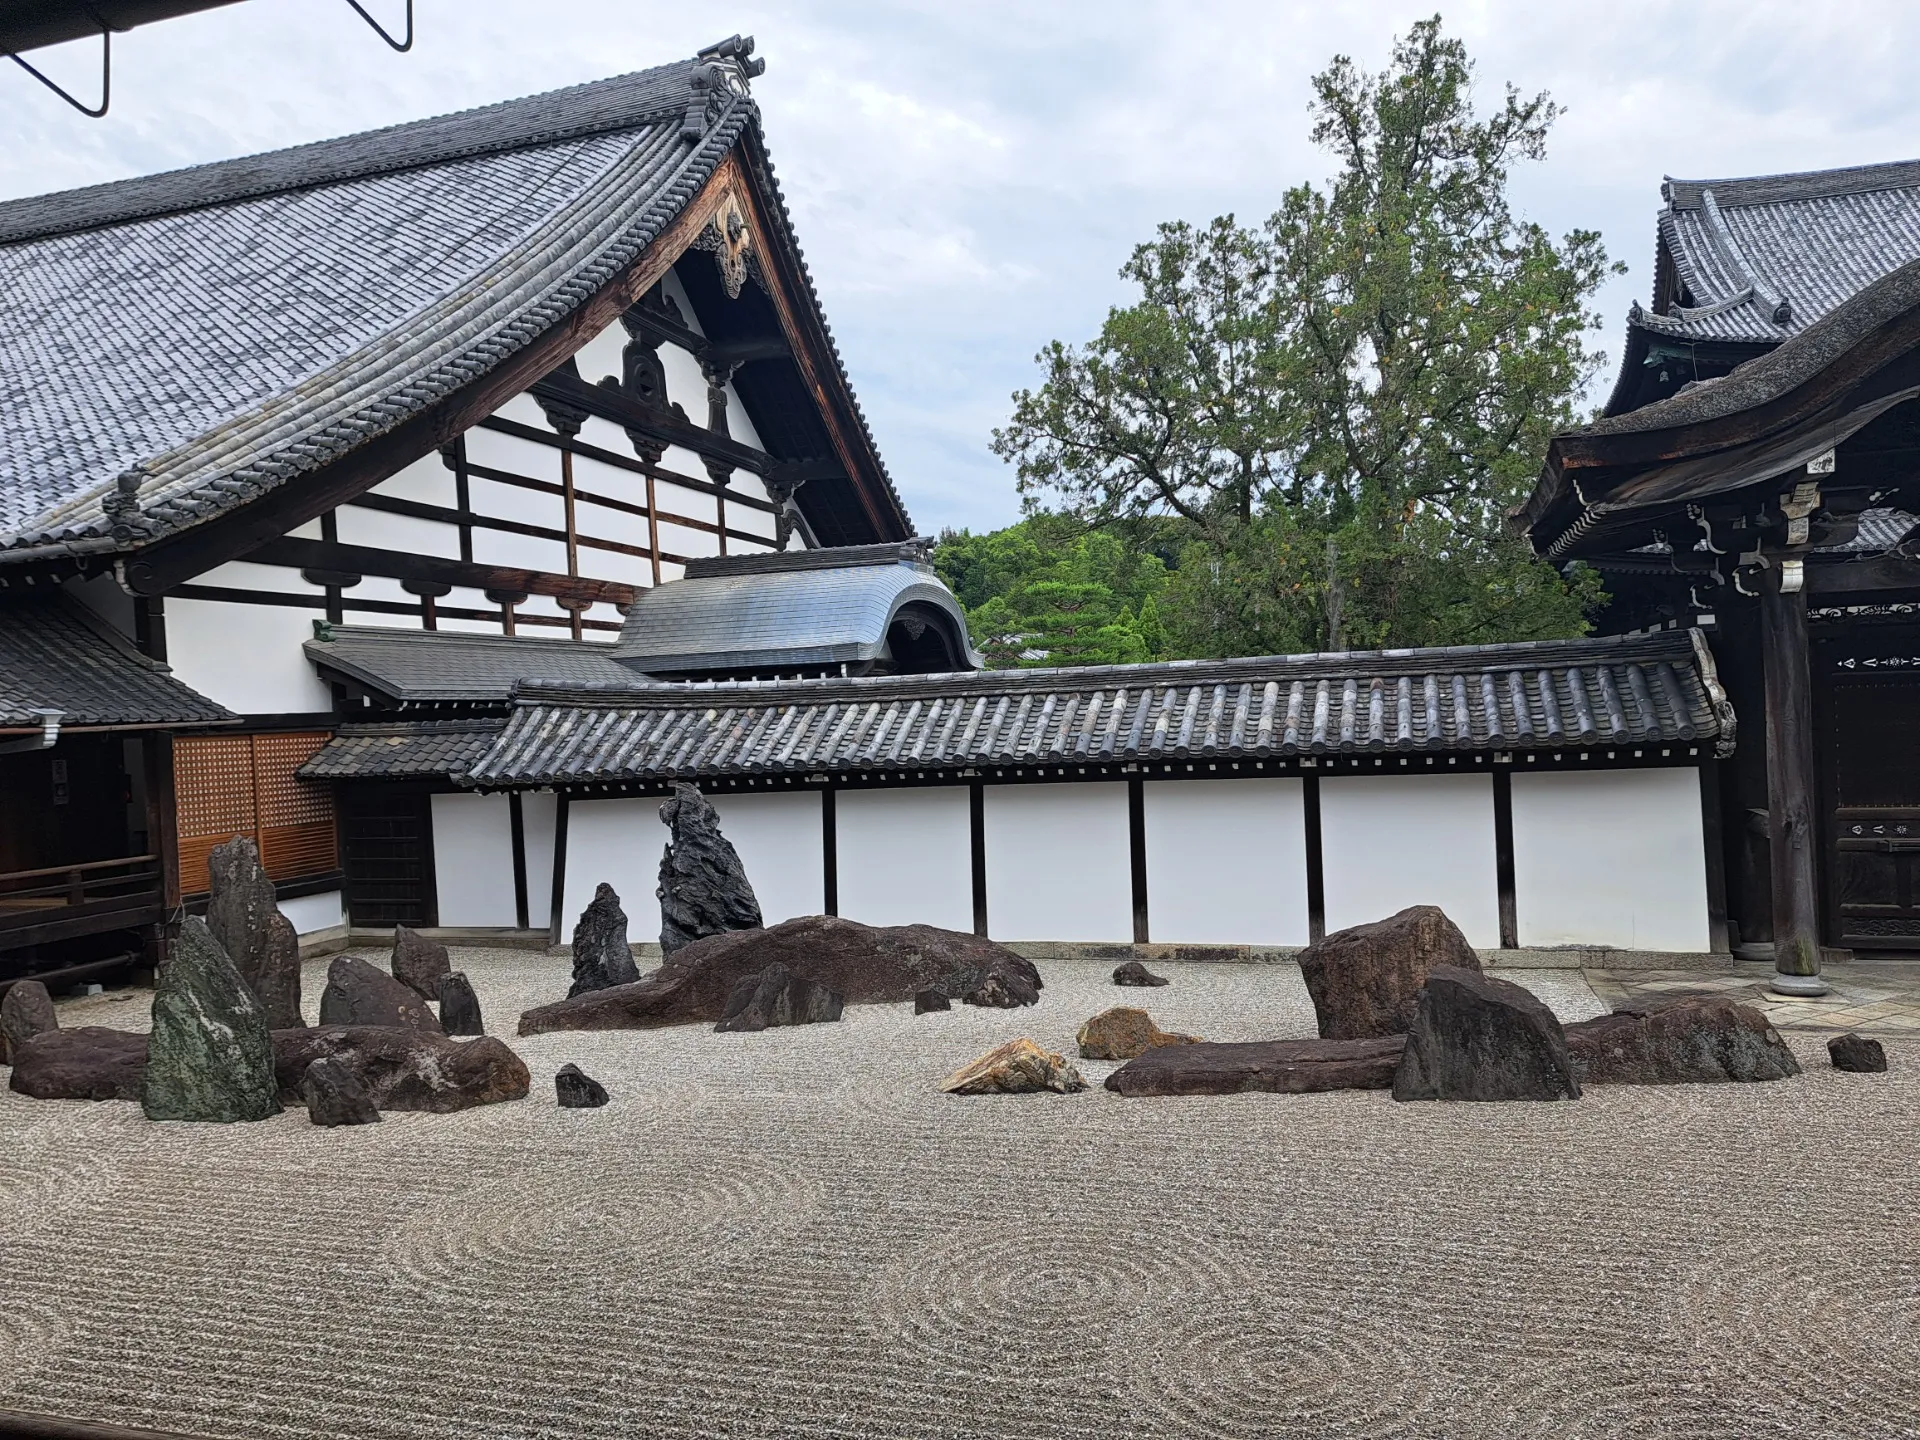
(228, 785)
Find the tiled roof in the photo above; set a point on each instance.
(176, 345)
(451, 667)
(55, 654)
(1763, 258)
(1646, 689)
(407, 750)
(773, 611)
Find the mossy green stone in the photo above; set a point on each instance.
(210, 1056)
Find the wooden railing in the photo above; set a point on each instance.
(41, 900)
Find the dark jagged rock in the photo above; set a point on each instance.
(1284, 1067)
(1857, 1053)
(577, 1090)
(358, 993)
(1018, 1067)
(777, 996)
(1692, 1039)
(209, 1056)
(459, 1006)
(419, 963)
(703, 889)
(1477, 1038)
(1132, 972)
(1124, 1033)
(930, 999)
(87, 1063)
(336, 1094)
(1003, 991)
(1365, 981)
(866, 964)
(405, 1069)
(601, 956)
(257, 938)
(26, 1011)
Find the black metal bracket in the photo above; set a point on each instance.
(106, 75)
(378, 29)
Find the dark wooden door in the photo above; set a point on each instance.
(1871, 785)
(386, 835)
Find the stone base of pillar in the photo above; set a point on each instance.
(1800, 985)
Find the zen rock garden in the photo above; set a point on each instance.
(1401, 1005)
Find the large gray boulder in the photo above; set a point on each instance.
(1689, 1040)
(703, 889)
(258, 939)
(89, 1062)
(404, 1069)
(1365, 981)
(26, 1011)
(1477, 1038)
(601, 955)
(209, 1056)
(361, 994)
(418, 963)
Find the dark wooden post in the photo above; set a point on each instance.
(1790, 809)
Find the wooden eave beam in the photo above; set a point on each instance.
(299, 554)
(622, 409)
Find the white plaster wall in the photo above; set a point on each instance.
(427, 480)
(537, 811)
(310, 913)
(780, 846)
(600, 356)
(618, 842)
(1611, 858)
(246, 575)
(1226, 862)
(247, 657)
(1390, 841)
(905, 857)
(473, 860)
(1058, 866)
(407, 534)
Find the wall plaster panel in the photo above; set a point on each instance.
(905, 857)
(311, 913)
(778, 838)
(1226, 862)
(1058, 864)
(1390, 841)
(246, 657)
(473, 861)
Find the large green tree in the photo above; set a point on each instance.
(1338, 407)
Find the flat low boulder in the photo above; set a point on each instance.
(1692, 1039)
(1858, 1054)
(1124, 1033)
(1019, 1067)
(87, 1063)
(865, 964)
(1477, 1038)
(1280, 1067)
(403, 1068)
(358, 993)
(1365, 980)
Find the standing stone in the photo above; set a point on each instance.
(703, 889)
(577, 1090)
(26, 1012)
(418, 963)
(258, 939)
(601, 957)
(209, 1056)
(336, 1094)
(777, 996)
(1366, 980)
(459, 1006)
(1477, 1038)
(1857, 1053)
(1132, 972)
(361, 994)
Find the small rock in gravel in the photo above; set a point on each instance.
(459, 1006)
(777, 996)
(1134, 973)
(1018, 1067)
(1002, 992)
(418, 963)
(361, 994)
(1857, 1053)
(336, 1093)
(1477, 1038)
(1124, 1033)
(577, 1090)
(930, 999)
(25, 1013)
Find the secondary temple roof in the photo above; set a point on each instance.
(449, 667)
(55, 654)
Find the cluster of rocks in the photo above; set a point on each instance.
(1403, 1004)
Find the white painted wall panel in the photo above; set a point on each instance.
(523, 408)
(618, 842)
(609, 436)
(473, 860)
(601, 355)
(509, 452)
(1612, 858)
(1390, 841)
(1226, 862)
(407, 534)
(246, 575)
(778, 839)
(427, 481)
(537, 811)
(905, 857)
(1058, 866)
(311, 913)
(247, 657)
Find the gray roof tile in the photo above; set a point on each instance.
(55, 654)
(405, 750)
(451, 667)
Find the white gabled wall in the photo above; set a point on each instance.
(1059, 863)
(473, 861)
(905, 857)
(1226, 861)
(1390, 841)
(246, 657)
(310, 914)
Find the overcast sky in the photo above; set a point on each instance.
(968, 175)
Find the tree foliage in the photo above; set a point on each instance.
(1336, 409)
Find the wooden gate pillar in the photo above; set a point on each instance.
(1790, 781)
